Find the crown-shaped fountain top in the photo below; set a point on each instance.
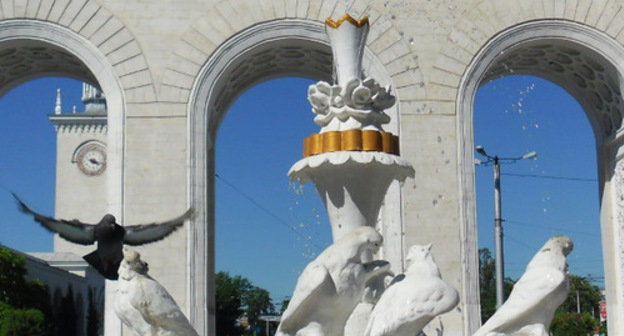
(352, 102)
(347, 37)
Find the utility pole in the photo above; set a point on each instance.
(498, 237)
(498, 219)
(578, 302)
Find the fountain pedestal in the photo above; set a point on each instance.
(352, 184)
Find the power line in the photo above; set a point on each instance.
(544, 227)
(280, 220)
(530, 248)
(553, 177)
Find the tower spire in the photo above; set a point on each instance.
(57, 107)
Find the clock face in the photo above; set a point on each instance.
(91, 159)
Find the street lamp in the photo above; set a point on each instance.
(498, 221)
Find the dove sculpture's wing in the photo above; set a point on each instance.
(314, 282)
(408, 306)
(536, 290)
(161, 310)
(148, 233)
(74, 230)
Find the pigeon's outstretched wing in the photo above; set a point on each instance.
(148, 233)
(74, 230)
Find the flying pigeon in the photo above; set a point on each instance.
(413, 299)
(332, 285)
(143, 304)
(540, 291)
(109, 236)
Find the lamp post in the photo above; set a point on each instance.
(498, 221)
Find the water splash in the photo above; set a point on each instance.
(296, 187)
(517, 107)
(307, 223)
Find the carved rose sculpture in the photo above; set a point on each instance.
(362, 100)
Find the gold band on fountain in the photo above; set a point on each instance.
(351, 140)
(358, 23)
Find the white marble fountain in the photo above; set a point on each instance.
(346, 290)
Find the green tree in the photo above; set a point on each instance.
(228, 298)
(582, 296)
(68, 315)
(566, 324)
(235, 297)
(24, 305)
(284, 305)
(94, 315)
(487, 284)
(22, 322)
(256, 302)
(589, 296)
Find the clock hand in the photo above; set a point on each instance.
(94, 161)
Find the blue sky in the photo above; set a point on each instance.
(268, 229)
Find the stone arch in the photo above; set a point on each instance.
(31, 48)
(35, 48)
(585, 62)
(212, 29)
(264, 51)
(98, 27)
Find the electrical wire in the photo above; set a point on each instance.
(552, 177)
(280, 220)
(544, 227)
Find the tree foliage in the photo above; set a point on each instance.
(235, 297)
(487, 284)
(24, 305)
(583, 297)
(589, 296)
(67, 315)
(22, 322)
(94, 314)
(566, 324)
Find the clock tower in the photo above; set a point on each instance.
(80, 163)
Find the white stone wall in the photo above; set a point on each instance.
(149, 57)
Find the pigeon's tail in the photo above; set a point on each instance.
(107, 269)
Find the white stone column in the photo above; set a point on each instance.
(612, 227)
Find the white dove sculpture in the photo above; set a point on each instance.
(331, 286)
(540, 291)
(144, 305)
(413, 299)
